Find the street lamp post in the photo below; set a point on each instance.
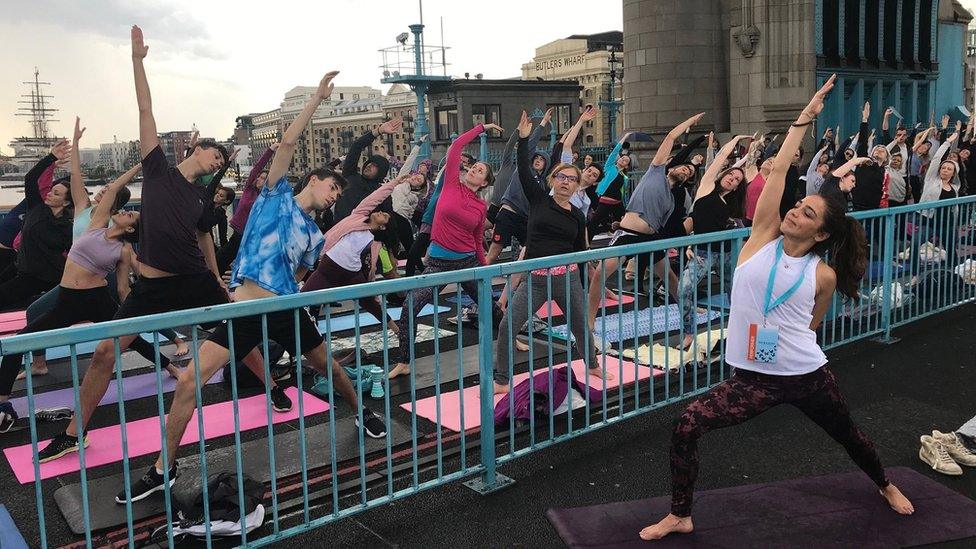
(612, 104)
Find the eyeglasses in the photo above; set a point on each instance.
(564, 177)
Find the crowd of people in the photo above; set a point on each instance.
(72, 258)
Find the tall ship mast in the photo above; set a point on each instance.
(37, 107)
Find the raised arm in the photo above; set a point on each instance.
(103, 211)
(148, 139)
(532, 190)
(862, 133)
(752, 159)
(849, 166)
(350, 165)
(375, 198)
(683, 156)
(707, 184)
(765, 226)
(219, 175)
(569, 140)
(452, 163)
(664, 151)
(79, 195)
(812, 168)
(506, 171)
(32, 190)
(258, 167)
(289, 139)
(411, 161)
(885, 134)
(921, 138)
(932, 185)
(610, 170)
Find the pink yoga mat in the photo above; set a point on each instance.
(144, 438)
(451, 402)
(543, 311)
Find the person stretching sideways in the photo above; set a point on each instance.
(556, 227)
(172, 248)
(457, 237)
(280, 244)
(782, 290)
(651, 212)
(84, 293)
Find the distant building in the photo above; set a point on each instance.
(117, 156)
(583, 58)
(89, 157)
(266, 130)
(458, 105)
(174, 145)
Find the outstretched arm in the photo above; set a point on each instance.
(862, 134)
(148, 140)
(661, 157)
(708, 179)
(79, 196)
(812, 168)
(532, 190)
(32, 181)
(589, 113)
(289, 140)
(411, 161)
(766, 222)
(103, 211)
(507, 170)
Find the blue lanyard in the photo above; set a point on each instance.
(772, 278)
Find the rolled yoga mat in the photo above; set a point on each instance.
(839, 510)
(143, 435)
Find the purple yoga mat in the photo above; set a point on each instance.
(840, 510)
(140, 386)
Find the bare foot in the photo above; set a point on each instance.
(599, 373)
(34, 373)
(501, 389)
(173, 371)
(181, 348)
(400, 369)
(897, 501)
(687, 341)
(668, 525)
(521, 346)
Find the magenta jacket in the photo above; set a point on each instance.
(250, 194)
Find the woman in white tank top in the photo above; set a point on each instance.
(780, 293)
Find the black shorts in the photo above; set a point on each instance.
(623, 237)
(281, 329)
(150, 296)
(493, 210)
(509, 224)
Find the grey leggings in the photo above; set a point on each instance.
(572, 303)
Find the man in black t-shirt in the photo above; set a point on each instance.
(178, 263)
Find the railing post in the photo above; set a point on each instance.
(887, 294)
(490, 480)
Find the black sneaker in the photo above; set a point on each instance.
(61, 444)
(374, 426)
(8, 417)
(149, 483)
(279, 400)
(53, 414)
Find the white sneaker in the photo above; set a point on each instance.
(954, 447)
(934, 453)
(462, 318)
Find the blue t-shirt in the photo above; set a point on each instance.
(279, 239)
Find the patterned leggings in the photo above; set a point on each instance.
(746, 395)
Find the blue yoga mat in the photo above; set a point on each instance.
(87, 348)
(617, 327)
(10, 537)
(348, 322)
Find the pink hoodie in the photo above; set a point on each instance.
(459, 219)
(358, 220)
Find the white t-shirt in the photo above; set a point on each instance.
(348, 252)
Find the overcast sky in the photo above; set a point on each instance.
(211, 61)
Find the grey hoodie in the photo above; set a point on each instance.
(514, 195)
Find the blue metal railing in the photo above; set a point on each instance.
(443, 412)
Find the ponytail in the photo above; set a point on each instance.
(846, 248)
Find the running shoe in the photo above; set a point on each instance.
(374, 426)
(465, 317)
(149, 483)
(8, 417)
(53, 414)
(279, 399)
(61, 444)
(934, 453)
(955, 448)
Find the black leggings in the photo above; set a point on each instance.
(604, 214)
(21, 290)
(73, 306)
(228, 252)
(415, 259)
(404, 232)
(746, 395)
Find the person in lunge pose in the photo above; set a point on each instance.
(653, 213)
(457, 237)
(172, 246)
(556, 227)
(84, 294)
(280, 244)
(782, 291)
